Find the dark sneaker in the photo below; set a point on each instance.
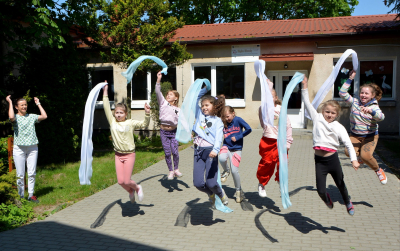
(330, 203)
(33, 199)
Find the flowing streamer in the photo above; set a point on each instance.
(85, 169)
(282, 150)
(218, 203)
(128, 74)
(267, 102)
(187, 113)
(327, 85)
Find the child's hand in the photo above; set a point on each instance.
(352, 74)
(159, 76)
(147, 108)
(8, 99)
(212, 154)
(355, 164)
(36, 100)
(305, 82)
(366, 110)
(233, 139)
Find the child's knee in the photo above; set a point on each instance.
(198, 183)
(212, 184)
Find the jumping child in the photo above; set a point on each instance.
(232, 147)
(25, 143)
(124, 145)
(326, 135)
(268, 147)
(364, 117)
(169, 114)
(207, 142)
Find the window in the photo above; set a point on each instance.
(342, 78)
(380, 72)
(98, 75)
(224, 79)
(143, 85)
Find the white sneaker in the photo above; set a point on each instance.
(224, 176)
(132, 197)
(239, 196)
(140, 193)
(261, 191)
(171, 175)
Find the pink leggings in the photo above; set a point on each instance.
(124, 166)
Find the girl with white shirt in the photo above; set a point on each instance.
(326, 135)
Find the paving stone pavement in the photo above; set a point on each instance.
(174, 215)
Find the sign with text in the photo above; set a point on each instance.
(245, 53)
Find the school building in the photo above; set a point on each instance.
(225, 54)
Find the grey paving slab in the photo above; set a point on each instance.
(176, 216)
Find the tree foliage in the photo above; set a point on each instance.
(29, 23)
(132, 28)
(396, 7)
(217, 11)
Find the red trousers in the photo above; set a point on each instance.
(268, 150)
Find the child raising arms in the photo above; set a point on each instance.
(326, 135)
(25, 143)
(268, 147)
(232, 147)
(124, 144)
(169, 114)
(208, 129)
(364, 117)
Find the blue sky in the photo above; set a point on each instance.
(371, 7)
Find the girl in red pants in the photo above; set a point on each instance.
(268, 148)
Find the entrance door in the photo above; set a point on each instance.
(295, 105)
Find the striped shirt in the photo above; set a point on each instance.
(362, 124)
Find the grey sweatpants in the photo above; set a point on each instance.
(234, 157)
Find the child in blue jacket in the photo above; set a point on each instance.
(232, 147)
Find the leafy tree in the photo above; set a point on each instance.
(29, 23)
(131, 28)
(217, 11)
(396, 7)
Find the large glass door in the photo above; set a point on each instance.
(295, 110)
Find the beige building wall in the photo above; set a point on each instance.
(318, 71)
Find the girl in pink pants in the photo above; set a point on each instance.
(124, 145)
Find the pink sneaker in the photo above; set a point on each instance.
(171, 175)
(177, 173)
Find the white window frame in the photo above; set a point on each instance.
(239, 103)
(99, 104)
(357, 78)
(140, 103)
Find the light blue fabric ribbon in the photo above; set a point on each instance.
(267, 102)
(218, 203)
(187, 113)
(282, 150)
(128, 74)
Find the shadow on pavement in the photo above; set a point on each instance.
(172, 185)
(59, 236)
(297, 190)
(260, 203)
(197, 214)
(337, 197)
(301, 223)
(245, 204)
(128, 210)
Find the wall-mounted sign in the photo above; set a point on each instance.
(245, 53)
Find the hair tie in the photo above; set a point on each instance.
(216, 97)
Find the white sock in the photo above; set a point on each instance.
(30, 194)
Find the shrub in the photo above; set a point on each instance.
(3, 155)
(155, 109)
(8, 193)
(12, 216)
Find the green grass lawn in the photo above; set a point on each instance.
(59, 185)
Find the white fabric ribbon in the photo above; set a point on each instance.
(267, 102)
(85, 170)
(327, 85)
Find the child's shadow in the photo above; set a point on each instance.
(128, 209)
(245, 204)
(336, 196)
(197, 214)
(261, 202)
(172, 185)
